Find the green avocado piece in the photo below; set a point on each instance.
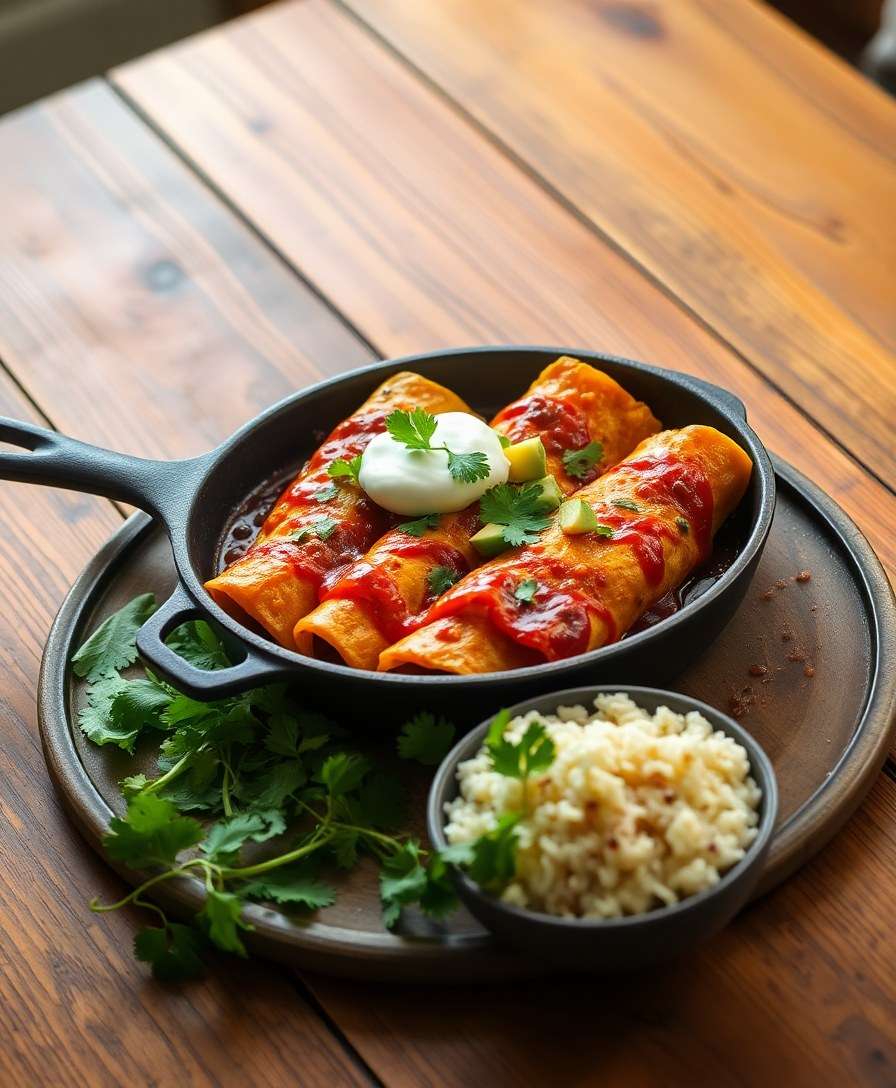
(551, 495)
(528, 461)
(490, 540)
(576, 517)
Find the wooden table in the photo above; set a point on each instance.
(690, 182)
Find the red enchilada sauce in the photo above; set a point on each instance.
(320, 524)
(373, 584)
(556, 622)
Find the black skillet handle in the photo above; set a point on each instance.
(159, 487)
(723, 397)
(255, 669)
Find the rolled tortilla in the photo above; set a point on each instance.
(319, 525)
(658, 511)
(384, 596)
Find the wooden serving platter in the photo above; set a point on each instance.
(808, 665)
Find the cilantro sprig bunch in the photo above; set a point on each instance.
(415, 430)
(260, 799)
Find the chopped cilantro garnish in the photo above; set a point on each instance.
(603, 530)
(420, 525)
(525, 591)
(627, 504)
(441, 579)
(323, 528)
(683, 526)
(578, 463)
(346, 468)
(325, 493)
(415, 429)
(520, 510)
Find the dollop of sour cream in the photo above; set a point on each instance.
(417, 482)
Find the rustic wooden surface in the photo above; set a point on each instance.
(693, 183)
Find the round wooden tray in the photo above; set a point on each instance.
(808, 665)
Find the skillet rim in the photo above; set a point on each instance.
(291, 662)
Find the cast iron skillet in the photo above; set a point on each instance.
(195, 498)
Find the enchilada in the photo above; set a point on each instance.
(657, 512)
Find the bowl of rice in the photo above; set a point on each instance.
(609, 827)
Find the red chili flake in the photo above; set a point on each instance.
(739, 704)
(809, 670)
(795, 655)
(758, 670)
(786, 636)
(767, 595)
(781, 583)
(613, 843)
(804, 576)
(669, 796)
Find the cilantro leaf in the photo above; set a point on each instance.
(172, 950)
(351, 468)
(683, 525)
(534, 752)
(419, 527)
(152, 833)
(225, 839)
(626, 504)
(112, 646)
(413, 429)
(519, 509)
(133, 783)
(603, 530)
(95, 719)
(325, 493)
(196, 642)
(140, 702)
(438, 897)
(579, 463)
(493, 861)
(468, 467)
(222, 917)
(526, 590)
(322, 527)
(441, 579)
(426, 739)
(271, 788)
(402, 880)
(342, 772)
(291, 885)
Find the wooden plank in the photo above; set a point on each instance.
(797, 991)
(422, 232)
(750, 172)
(132, 303)
(75, 1007)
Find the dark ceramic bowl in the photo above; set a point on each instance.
(634, 941)
(196, 499)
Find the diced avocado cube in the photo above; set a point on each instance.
(576, 516)
(551, 495)
(490, 540)
(527, 460)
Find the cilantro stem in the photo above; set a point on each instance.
(317, 840)
(178, 870)
(171, 773)
(225, 789)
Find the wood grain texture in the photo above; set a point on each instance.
(132, 303)
(750, 172)
(798, 991)
(75, 1008)
(422, 232)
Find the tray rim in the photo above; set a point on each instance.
(355, 953)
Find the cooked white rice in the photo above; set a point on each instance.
(637, 810)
